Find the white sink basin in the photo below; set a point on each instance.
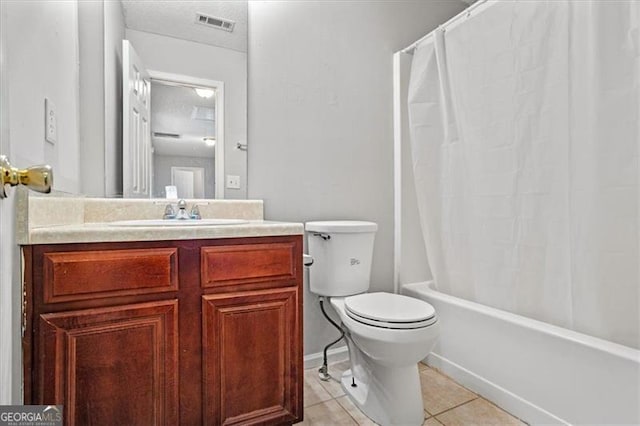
(178, 222)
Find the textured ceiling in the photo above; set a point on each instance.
(177, 19)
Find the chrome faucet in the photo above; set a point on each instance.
(182, 210)
(181, 213)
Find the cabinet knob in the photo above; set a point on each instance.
(36, 178)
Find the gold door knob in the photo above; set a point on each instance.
(37, 178)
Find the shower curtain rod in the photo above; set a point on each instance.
(465, 13)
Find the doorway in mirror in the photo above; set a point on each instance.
(188, 181)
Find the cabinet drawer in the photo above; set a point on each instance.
(250, 263)
(79, 275)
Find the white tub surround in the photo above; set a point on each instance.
(59, 219)
(539, 372)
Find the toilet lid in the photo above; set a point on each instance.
(390, 310)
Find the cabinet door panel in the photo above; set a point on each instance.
(251, 357)
(117, 364)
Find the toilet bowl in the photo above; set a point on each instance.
(384, 366)
(387, 334)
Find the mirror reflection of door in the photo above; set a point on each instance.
(189, 181)
(136, 131)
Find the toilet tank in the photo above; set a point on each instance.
(342, 252)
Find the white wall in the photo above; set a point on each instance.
(42, 59)
(167, 54)
(320, 116)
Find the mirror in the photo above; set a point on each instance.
(163, 97)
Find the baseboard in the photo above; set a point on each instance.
(503, 398)
(333, 355)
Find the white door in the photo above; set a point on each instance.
(136, 128)
(189, 181)
(183, 181)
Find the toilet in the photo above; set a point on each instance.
(387, 334)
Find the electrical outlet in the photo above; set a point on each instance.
(233, 182)
(50, 122)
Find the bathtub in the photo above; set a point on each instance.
(540, 373)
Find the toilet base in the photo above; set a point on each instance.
(388, 396)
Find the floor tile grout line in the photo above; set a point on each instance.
(346, 411)
(320, 382)
(479, 397)
(317, 403)
(335, 398)
(455, 382)
(454, 407)
(501, 409)
(353, 418)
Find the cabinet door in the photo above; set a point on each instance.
(113, 365)
(252, 359)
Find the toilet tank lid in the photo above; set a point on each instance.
(341, 226)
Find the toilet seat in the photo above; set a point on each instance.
(392, 311)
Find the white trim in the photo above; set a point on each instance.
(500, 396)
(219, 88)
(333, 355)
(220, 142)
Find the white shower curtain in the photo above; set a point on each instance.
(525, 131)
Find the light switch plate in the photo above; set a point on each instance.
(50, 122)
(233, 182)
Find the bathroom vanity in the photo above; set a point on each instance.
(187, 325)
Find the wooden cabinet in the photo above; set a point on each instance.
(166, 333)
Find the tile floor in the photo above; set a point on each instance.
(445, 402)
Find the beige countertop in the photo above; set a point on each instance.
(104, 232)
(64, 219)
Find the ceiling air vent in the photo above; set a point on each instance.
(212, 21)
(166, 135)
